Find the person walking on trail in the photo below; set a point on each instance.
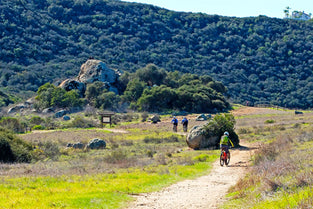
(185, 124)
(224, 143)
(175, 123)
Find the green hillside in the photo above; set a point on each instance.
(259, 59)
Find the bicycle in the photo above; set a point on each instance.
(175, 127)
(224, 158)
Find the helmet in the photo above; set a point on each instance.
(226, 133)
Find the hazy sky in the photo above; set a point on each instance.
(234, 8)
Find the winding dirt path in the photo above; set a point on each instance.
(204, 192)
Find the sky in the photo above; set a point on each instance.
(234, 8)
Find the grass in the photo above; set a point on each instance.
(144, 157)
(281, 175)
(93, 191)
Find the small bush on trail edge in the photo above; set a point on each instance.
(13, 149)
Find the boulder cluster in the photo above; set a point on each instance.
(91, 71)
(92, 144)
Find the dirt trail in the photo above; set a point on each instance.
(204, 192)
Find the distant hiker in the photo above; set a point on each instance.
(185, 124)
(175, 123)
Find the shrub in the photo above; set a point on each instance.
(202, 158)
(270, 121)
(80, 122)
(144, 116)
(51, 150)
(36, 120)
(219, 124)
(6, 154)
(14, 149)
(117, 156)
(38, 127)
(12, 124)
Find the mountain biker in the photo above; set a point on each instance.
(185, 124)
(174, 122)
(225, 141)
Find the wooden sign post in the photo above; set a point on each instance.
(106, 117)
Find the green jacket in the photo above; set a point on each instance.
(225, 139)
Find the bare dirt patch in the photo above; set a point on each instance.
(256, 111)
(205, 192)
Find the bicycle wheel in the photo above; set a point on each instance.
(221, 159)
(227, 160)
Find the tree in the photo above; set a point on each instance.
(133, 90)
(151, 75)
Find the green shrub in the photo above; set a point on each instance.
(219, 124)
(14, 149)
(36, 120)
(38, 127)
(6, 154)
(270, 121)
(202, 158)
(12, 124)
(80, 122)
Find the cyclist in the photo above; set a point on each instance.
(175, 123)
(225, 141)
(185, 124)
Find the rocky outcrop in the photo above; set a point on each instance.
(196, 139)
(93, 70)
(96, 70)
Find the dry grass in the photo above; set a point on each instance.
(283, 163)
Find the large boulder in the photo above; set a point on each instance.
(96, 144)
(96, 70)
(196, 139)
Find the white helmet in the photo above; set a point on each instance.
(226, 133)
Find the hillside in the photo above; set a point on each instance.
(259, 59)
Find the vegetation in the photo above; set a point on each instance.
(144, 158)
(221, 123)
(13, 149)
(50, 96)
(259, 59)
(148, 89)
(281, 175)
